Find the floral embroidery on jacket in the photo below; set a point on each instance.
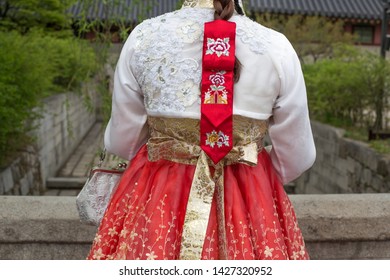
(168, 77)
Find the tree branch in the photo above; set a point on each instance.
(3, 14)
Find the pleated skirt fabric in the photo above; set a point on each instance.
(146, 215)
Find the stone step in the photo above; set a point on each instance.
(65, 182)
(62, 192)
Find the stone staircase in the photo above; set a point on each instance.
(72, 176)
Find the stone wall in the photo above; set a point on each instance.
(23, 176)
(65, 121)
(342, 226)
(344, 166)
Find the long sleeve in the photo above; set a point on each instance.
(293, 150)
(126, 131)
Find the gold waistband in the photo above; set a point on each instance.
(177, 140)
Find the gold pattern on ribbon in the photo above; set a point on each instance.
(217, 93)
(216, 96)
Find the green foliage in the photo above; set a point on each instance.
(358, 133)
(24, 79)
(349, 89)
(346, 87)
(114, 23)
(311, 36)
(73, 60)
(39, 56)
(381, 146)
(33, 66)
(114, 27)
(22, 15)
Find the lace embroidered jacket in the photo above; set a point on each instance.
(159, 72)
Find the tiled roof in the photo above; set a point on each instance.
(354, 9)
(128, 10)
(357, 9)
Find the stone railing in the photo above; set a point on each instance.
(65, 121)
(344, 166)
(347, 226)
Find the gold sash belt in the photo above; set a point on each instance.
(204, 185)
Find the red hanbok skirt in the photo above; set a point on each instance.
(145, 217)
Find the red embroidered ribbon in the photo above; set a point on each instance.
(216, 123)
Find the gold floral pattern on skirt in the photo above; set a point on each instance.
(173, 203)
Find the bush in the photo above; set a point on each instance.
(349, 89)
(73, 60)
(32, 67)
(313, 37)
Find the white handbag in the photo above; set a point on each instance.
(93, 199)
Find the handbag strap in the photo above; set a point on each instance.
(102, 157)
(103, 153)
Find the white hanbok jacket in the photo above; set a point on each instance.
(159, 73)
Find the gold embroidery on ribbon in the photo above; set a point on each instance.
(220, 194)
(178, 140)
(217, 93)
(198, 211)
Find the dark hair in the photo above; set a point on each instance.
(224, 10)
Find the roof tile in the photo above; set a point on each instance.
(358, 9)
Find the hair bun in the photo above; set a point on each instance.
(224, 9)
